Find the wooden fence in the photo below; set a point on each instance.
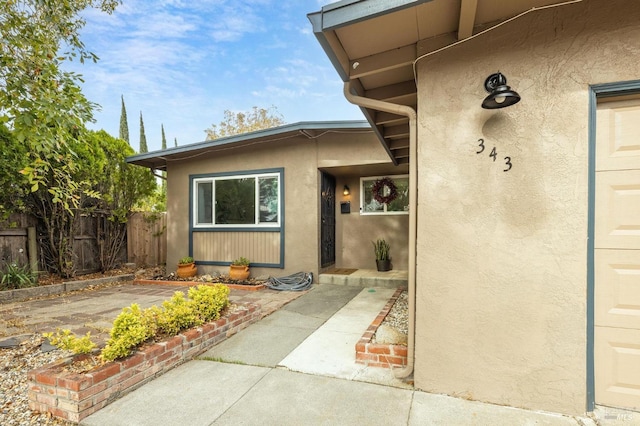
(147, 239)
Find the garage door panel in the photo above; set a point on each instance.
(618, 209)
(618, 134)
(617, 297)
(617, 358)
(617, 254)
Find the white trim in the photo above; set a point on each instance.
(384, 212)
(257, 223)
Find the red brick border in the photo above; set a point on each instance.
(248, 287)
(376, 354)
(73, 396)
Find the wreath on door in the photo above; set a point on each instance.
(382, 186)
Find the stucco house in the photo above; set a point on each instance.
(288, 198)
(524, 225)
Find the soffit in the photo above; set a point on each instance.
(374, 43)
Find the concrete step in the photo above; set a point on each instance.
(367, 278)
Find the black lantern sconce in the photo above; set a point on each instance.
(346, 191)
(500, 95)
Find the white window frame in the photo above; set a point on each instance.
(384, 210)
(256, 177)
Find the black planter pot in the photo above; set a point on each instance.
(383, 265)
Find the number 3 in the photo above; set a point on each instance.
(481, 146)
(508, 163)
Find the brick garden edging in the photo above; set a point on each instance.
(16, 295)
(252, 287)
(73, 396)
(377, 354)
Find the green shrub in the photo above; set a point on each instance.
(130, 328)
(65, 339)
(14, 276)
(178, 314)
(134, 326)
(208, 301)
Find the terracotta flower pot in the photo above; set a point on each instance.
(186, 270)
(238, 272)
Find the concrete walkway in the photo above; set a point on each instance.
(296, 367)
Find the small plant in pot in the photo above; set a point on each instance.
(383, 260)
(186, 267)
(239, 269)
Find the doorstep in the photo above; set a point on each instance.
(366, 278)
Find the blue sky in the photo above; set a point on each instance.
(183, 62)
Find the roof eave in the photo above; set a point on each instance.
(158, 159)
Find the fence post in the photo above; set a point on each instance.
(32, 248)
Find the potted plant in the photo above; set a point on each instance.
(381, 249)
(186, 267)
(239, 269)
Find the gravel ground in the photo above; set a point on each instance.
(14, 365)
(398, 316)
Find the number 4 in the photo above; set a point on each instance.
(494, 153)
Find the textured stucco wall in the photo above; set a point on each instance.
(300, 157)
(355, 232)
(502, 256)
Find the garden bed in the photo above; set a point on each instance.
(57, 389)
(248, 286)
(386, 355)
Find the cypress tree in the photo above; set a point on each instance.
(143, 138)
(164, 139)
(124, 125)
(175, 141)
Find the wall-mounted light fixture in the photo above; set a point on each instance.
(346, 191)
(500, 95)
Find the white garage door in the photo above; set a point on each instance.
(617, 254)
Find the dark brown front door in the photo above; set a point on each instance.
(328, 220)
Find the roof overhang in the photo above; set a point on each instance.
(373, 44)
(158, 160)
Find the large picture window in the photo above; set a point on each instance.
(380, 188)
(237, 201)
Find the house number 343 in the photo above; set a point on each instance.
(494, 155)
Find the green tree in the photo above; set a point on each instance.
(40, 101)
(13, 183)
(143, 137)
(235, 123)
(175, 142)
(113, 189)
(124, 125)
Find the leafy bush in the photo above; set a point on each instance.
(185, 260)
(132, 327)
(15, 276)
(65, 339)
(208, 301)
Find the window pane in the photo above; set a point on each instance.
(205, 198)
(268, 199)
(401, 203)
(235, 201)
(369, 204)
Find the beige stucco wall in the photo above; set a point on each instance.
(502, 256)
(354, 232)
(300, 157)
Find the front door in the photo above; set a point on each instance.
(327, 220)
(617, 254)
